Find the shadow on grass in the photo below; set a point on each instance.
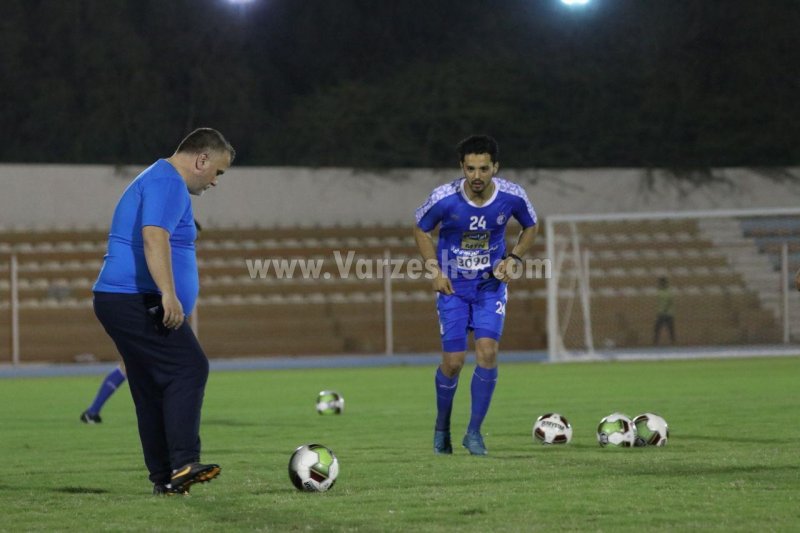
(748, 439)
(696, 470)
(228, 422)
(471, 511)
(79, 490)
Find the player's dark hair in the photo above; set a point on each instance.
(478, 144)
(203, 139)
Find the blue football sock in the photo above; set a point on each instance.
(445, 392)
(114, 379)
(483, 382)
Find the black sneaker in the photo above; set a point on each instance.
(187, 475)
(90, 418)
(165, 489)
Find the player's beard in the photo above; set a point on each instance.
(478, 186)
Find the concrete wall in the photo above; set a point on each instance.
(84, 195)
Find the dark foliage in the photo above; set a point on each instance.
(366, 83)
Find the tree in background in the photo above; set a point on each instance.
(385, 84)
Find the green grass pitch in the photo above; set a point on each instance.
(731, 463)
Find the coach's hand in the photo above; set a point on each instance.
(441, 283)
(173, 311)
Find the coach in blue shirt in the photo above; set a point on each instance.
(147, 286)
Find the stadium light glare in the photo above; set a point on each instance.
(575, 2)
(240, 2)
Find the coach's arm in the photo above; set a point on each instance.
(158, 253)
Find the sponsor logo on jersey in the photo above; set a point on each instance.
(475, 240)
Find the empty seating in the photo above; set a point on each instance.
(242, 313)
(239, 312)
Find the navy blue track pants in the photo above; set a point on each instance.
(167, 373)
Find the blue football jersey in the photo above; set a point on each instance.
(157, 197)
(472, 237)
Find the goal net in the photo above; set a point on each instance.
(673, 284)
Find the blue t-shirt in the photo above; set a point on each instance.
(157, 197)
(472, 237)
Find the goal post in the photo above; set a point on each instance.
(695, 283)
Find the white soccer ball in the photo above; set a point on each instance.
(651, 430)
(616, 430)
(313, 468)
(330, 403)
(552, 428)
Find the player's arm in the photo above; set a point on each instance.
(427, 249)
(158, 254)
(797, 280)
(524, 242)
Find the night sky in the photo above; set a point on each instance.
(369, 83)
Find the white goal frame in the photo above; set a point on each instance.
(555, 252)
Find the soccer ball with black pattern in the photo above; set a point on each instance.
(313, 468)
(651, 430)
(330, 403)
(616, 430)
(552, 428)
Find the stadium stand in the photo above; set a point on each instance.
(240, 315)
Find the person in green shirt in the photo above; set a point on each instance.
(665, 316)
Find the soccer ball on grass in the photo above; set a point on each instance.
(313, 468)
(616, 430)
(330, 403)
(651, 430)
(552, 428)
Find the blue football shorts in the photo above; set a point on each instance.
(477, 305)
